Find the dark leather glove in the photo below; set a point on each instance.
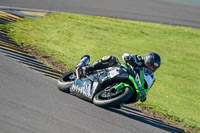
(127, 58)
(142, 96)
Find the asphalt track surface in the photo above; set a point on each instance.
(180, 12)
(30, 102)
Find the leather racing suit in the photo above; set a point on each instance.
(110, 61)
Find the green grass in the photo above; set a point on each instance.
(66, 37)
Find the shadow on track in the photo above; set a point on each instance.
(137, 115)
(132, 114)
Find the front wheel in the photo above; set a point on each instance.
(110, 97)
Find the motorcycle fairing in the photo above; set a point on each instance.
(117, 73)
(85, 88)
(82, 88)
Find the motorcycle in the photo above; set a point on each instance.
(108, 87)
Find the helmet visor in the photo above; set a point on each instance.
(151, 67)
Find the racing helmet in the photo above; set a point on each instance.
(152, 61)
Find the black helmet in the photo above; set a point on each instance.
(152, 61)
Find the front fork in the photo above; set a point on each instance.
(78, 75)
(84, 61)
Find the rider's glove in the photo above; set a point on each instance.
(133, 60)
(137, 60)
(142, 96)
(126, 57)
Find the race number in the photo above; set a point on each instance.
(138, 81)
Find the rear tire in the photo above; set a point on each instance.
(101, 100)
(66, 81)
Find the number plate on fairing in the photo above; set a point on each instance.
(138, 81)
(113, 73)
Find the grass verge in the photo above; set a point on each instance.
(66, 37)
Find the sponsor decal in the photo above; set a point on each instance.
(84, 90)
(156, 64)
(113, 73)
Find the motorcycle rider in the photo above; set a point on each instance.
(151, 61)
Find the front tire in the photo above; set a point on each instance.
(66, 81)
(102, 99)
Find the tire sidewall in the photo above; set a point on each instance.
(114, 101)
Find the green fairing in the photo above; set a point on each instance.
(127, 67)
(142, 81)
(136, 87)
(142, 77)
(122, 85)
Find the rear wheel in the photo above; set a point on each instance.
(66, 81)
(111, 97)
